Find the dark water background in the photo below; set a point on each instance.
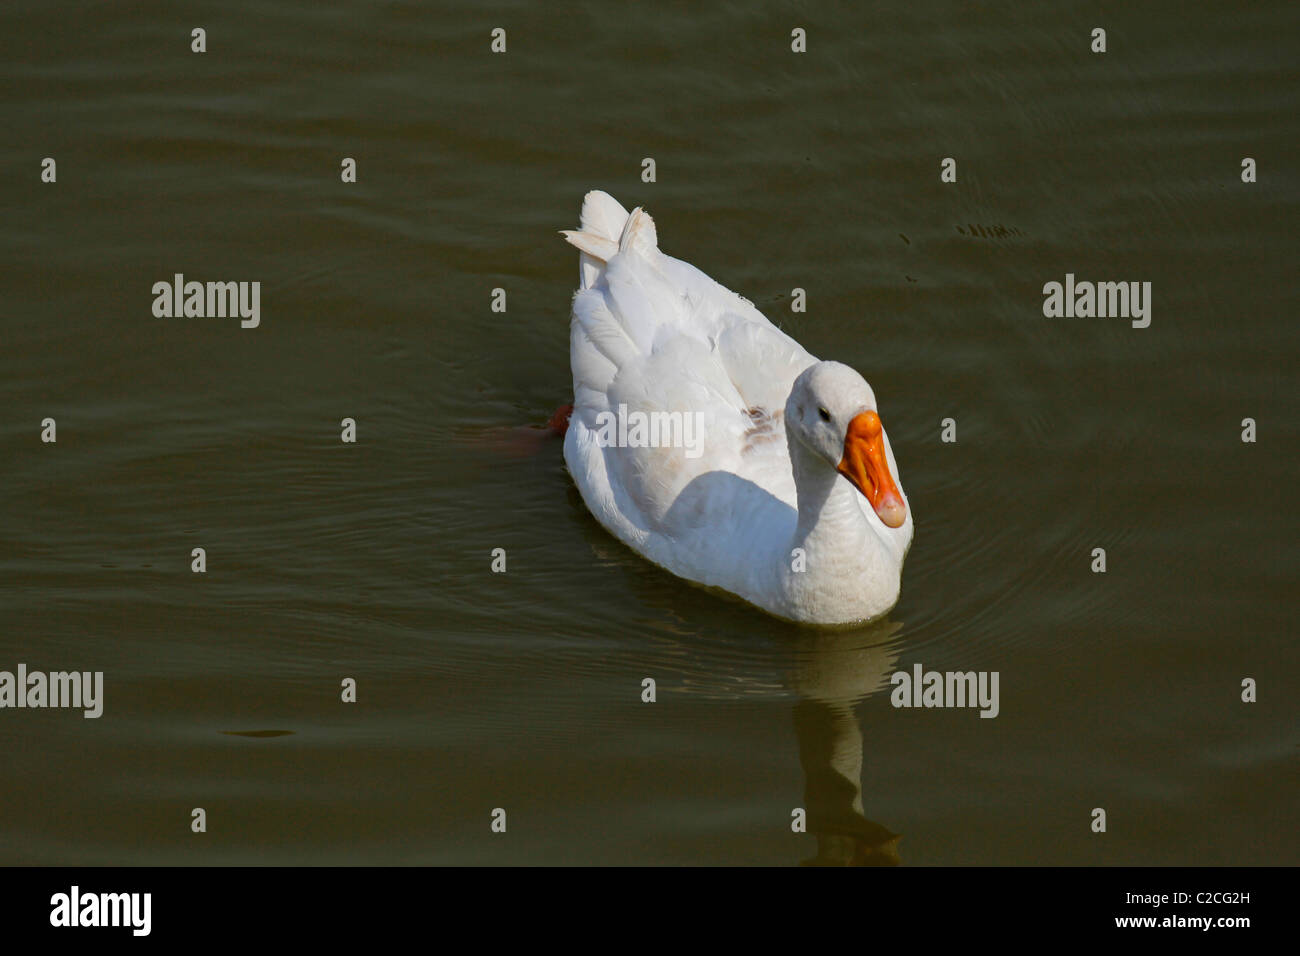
(522, 690)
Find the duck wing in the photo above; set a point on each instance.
(651, 334)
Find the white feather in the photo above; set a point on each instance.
(653, 334)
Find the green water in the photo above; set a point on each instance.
(522, 691)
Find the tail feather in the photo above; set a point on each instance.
(604, 222)
(639, 232)
(598, 247)
(603, 215)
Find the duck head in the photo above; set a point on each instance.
(832, 412)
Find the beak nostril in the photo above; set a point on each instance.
(866, 465)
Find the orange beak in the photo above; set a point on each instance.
(864, 464)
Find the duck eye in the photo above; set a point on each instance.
(826, 416)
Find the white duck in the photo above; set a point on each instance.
(788, 498)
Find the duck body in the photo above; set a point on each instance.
(784, 491)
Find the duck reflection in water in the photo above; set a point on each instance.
(832, 673)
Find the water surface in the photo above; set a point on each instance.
(523, 691)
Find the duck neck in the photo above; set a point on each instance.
(830, 517)
(845, 563)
